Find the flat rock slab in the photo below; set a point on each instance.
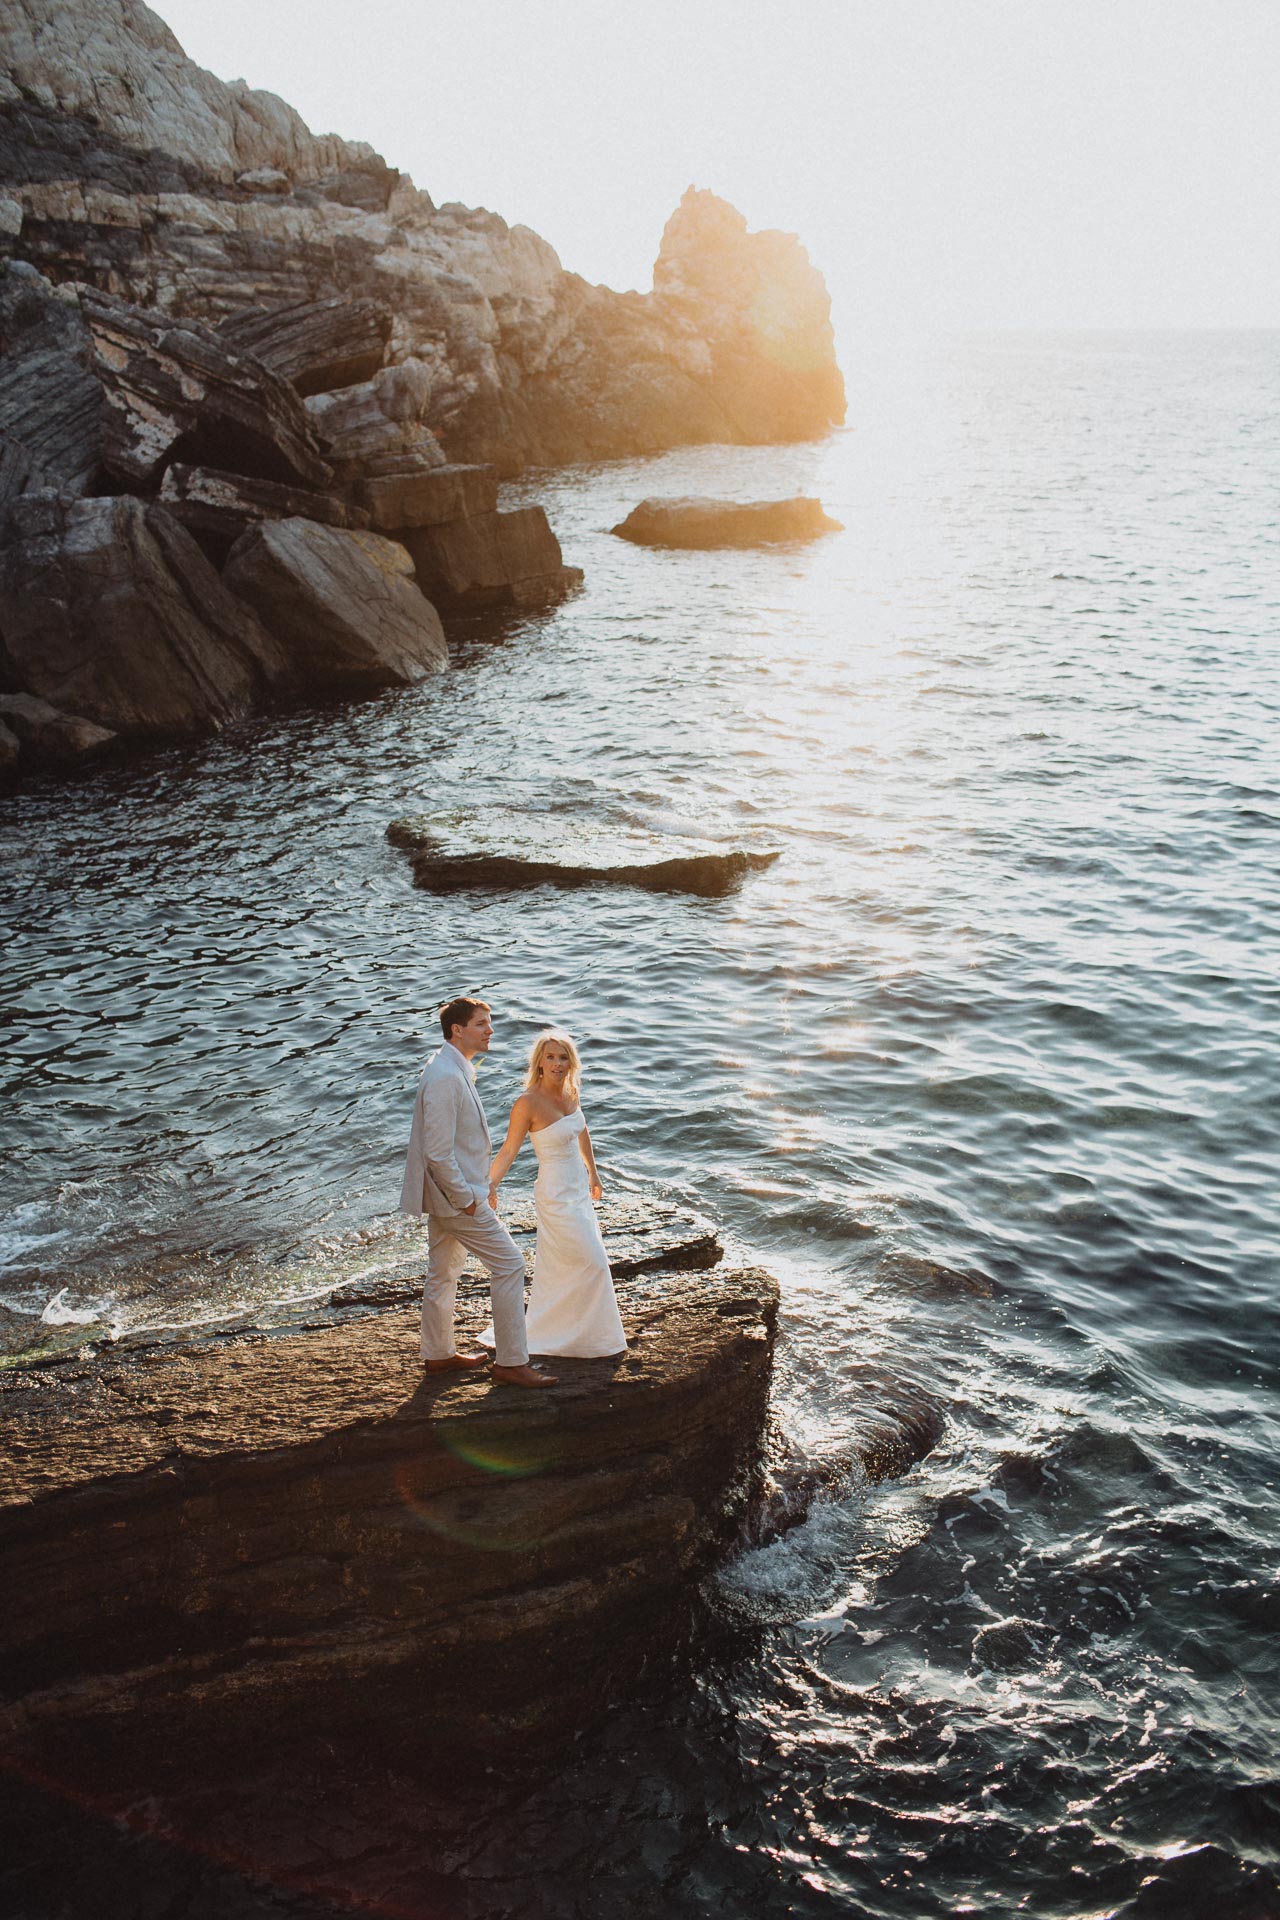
(697, 522)
(301, 1526)
(499, 850)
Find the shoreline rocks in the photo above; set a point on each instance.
(696, 522)
(206, 307)
(254, 1529)
(127, 167)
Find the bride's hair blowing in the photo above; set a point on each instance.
(572, 1079)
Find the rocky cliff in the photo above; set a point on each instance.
(257, 390)
(128, 167)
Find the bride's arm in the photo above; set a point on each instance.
(584, 1148)
(504, 1158)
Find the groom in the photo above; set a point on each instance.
(447, 1178)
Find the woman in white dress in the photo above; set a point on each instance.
(572, 1309)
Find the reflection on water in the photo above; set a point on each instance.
(1003, 1005)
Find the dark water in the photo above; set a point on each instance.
(1007, 1001)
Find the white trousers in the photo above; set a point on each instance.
(450, 1238)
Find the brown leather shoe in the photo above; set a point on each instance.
(457, 1363)
(521, 1377)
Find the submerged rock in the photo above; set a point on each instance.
(695, 522)
(552, 850)
(342, 608)
(301, 1530)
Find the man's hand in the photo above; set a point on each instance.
(471, 1208)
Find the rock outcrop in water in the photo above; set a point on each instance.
(502, 851)
(294, 1528)
(695, 522)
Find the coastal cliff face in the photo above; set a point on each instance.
(309, 378)
(128, 167)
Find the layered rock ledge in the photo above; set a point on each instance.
(278, 1527)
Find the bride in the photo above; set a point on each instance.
(572, 1310)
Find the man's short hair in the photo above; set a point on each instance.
(457, 1013)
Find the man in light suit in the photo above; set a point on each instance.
(447, 1178)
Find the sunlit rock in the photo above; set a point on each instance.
(694, 522)
(133, 170)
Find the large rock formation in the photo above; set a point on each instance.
(343, 605)
(296, 1529)
(128, 167)
(246, 326)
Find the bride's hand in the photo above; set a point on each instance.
(493, 1195)
(597, 1191)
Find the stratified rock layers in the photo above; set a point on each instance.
(291, 1528)
(129, 168)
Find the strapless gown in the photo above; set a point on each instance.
(572, 1308)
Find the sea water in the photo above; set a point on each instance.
(1005, 1006)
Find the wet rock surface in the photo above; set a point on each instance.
(695, 522)
(45, 735)
(499, 850)
(491, 560)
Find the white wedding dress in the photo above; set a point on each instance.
(572, 1309)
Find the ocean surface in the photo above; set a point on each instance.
(1007, 1002)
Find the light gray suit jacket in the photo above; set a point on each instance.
(449, 1146)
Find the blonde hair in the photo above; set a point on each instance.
(572, 1079)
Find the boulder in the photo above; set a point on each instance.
(341, 607)
(314, 344)
(275, 1534)
(219, 506)
(430, 497)
(46, 734)
(696, 522)
(179, 389)
(376, 426)
(109, 610)
(491, 560)
(498, 849)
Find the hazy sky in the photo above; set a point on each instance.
(947, 162)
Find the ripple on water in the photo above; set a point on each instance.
(1001, 1008)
